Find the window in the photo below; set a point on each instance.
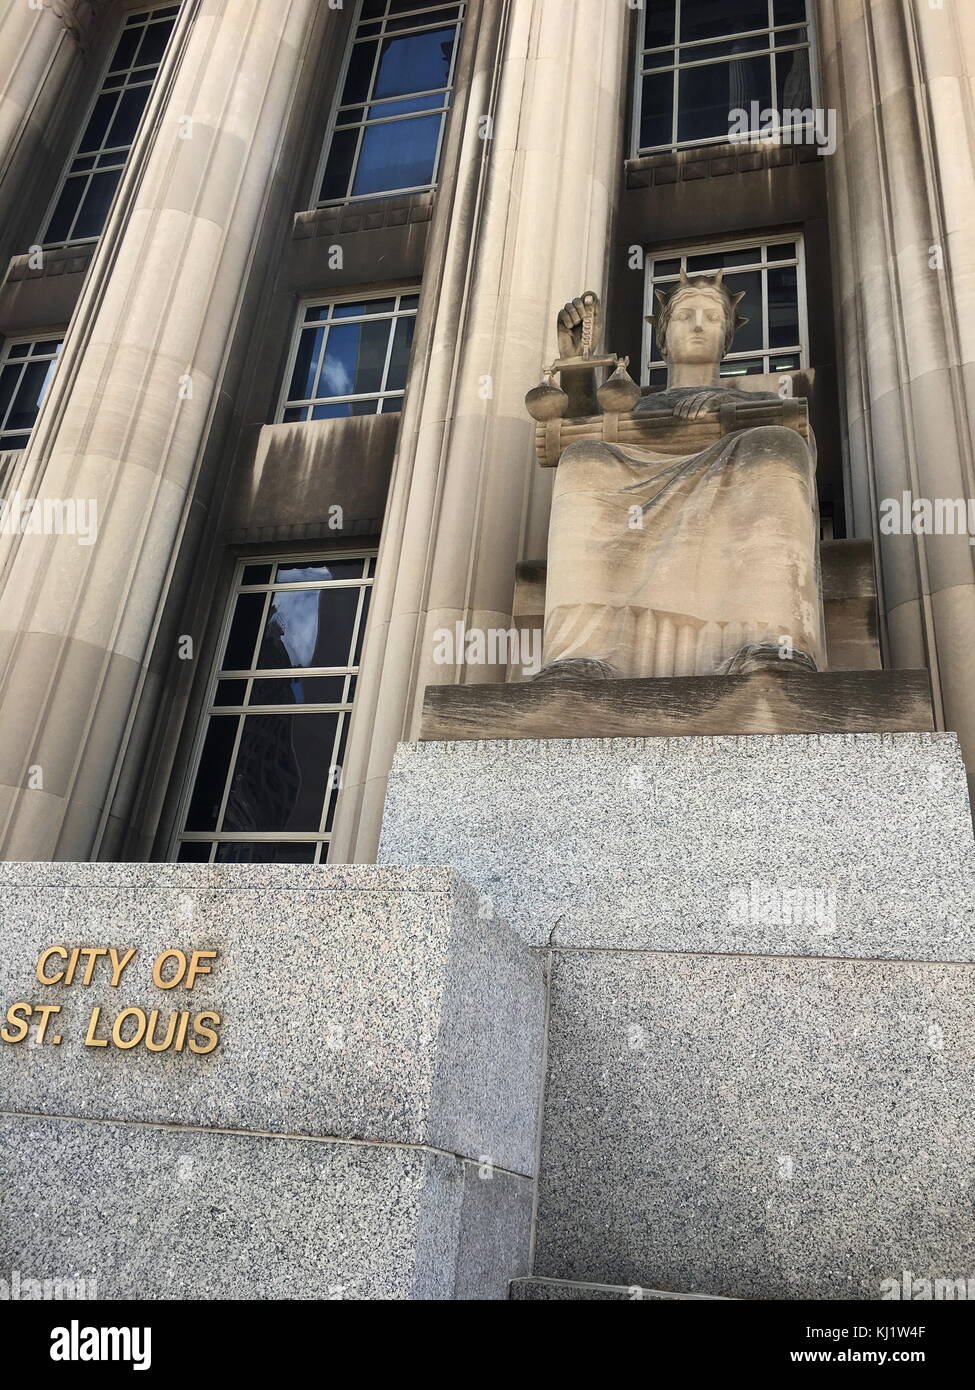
(772, 275)
(395, 92)
(349, 358)
(268, 773)
(701, 60)
(84, 198)
(26, 368)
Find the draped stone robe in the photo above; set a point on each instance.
(667, 564)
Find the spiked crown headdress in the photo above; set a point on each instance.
(697, 283)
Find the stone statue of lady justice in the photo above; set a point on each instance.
(666, 558)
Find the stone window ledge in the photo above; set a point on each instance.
(714, 161)
(364, 217)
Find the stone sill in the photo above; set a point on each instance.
(364, 217)
(64, 260)
(714, 161)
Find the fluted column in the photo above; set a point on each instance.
(902, 203)
(523, 224)
(133, 399)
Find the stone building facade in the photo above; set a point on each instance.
(277, 277)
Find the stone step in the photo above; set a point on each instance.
(547, 1290)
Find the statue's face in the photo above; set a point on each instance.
(696, 330)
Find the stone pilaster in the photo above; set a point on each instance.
(34, 70)
(130, 411)
(522, 225)
(902, 195)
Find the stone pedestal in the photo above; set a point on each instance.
(761, 1036)
(364, 1128)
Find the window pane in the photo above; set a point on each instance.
(790, 11)
(230, 693)
(383, 110)
(320, 573)
(359, 77)
(194, 853)
(660, 24)
(783, 307)
(125, 52)
(153, 46)
(9, 378)
(657, 111)
(243, 632)
(414, 63)
(749, 337)
(307, 362)
(749, 367)
(792, 76)
(257, 574)
(338, 170)
(400, 359)
(94, 208)
(399, 155)
(309, 628)
(281, 772)
(127, 117)
(212, 775)
(29, 397)
(307, 690)
(709, 94)
(268, 853)
(101, 116)
(784, 252)
(708, 20)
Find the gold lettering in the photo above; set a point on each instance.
(164, 1046)
(92, 952)
(157, 976)
(196, 968)
(90, 1039)
(45, 957)
(119, 963)
(45, 1011)
(202, 1031)
(21, 1024)
(181, 1031)
(139, 1034)
(72, 966)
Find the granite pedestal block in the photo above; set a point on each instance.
(382, 1007)
(141, 1212)
(841, 845)
(757, 1127)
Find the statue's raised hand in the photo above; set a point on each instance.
(579, 326)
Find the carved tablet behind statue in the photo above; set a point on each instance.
(667, 558)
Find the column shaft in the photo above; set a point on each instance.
(523, 225)
(133, 400)
(902, 203)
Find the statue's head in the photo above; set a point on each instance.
(697, 321)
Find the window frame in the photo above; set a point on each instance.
(811, 44)
(217, 672)
(66, 173)
(318, 302)
(16, 340)
(333, 121)
(763, 241)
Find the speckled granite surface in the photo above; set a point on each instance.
(150, 1213)
(355, 1003)
(843, 844)
(756, 1127)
